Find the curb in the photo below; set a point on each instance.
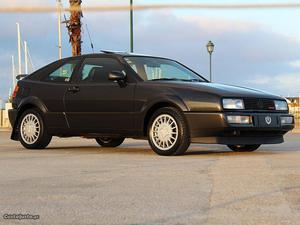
(5, 129)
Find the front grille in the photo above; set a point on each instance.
(259, 104)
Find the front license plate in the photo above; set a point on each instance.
(268, 121)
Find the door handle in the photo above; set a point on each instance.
(73, 89)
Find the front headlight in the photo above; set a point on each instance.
(230, 103)
(281, 105)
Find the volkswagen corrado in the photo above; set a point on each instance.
(111, 96)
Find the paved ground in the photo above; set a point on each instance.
(76, 182)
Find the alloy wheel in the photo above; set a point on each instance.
(164, 132)
(30, 129)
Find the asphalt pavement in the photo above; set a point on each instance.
(75, 181)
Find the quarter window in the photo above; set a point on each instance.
(62, 74)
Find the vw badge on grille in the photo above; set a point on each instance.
(268, 120)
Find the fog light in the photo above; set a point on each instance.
(287, 120)
(239, 119)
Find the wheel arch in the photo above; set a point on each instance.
(32, 102)
(25, 104)
(161, 104)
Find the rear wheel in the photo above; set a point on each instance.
(168, 132)
(110, 141)
(32, 130)
(243, 148)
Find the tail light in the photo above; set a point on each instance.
(15, 91)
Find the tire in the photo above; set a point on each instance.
(168, 132)
(109, 141)
(32, 130)
(243, 148)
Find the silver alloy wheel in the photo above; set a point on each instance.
(30, 129)
(164, 132)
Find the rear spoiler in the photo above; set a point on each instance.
(21, 76)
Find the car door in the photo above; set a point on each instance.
(95, 104)
(51, 88)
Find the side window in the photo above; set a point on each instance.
(63, 73)
(170, 71)
(97, 69)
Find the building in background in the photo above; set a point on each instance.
(4, 120)
(294, 106)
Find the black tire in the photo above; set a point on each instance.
(110, 142)
(243, 148)
(181, 144)
(43, 138)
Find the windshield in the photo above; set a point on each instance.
(149, 68)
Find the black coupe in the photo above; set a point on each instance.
(111, 96)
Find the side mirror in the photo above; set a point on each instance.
(116, 76)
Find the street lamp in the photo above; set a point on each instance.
(210, 48)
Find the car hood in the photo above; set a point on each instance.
(229, 90)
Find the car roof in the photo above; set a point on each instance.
(111, 53)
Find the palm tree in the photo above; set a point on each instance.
(74, 26)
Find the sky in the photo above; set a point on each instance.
(254, 48)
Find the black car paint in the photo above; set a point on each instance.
(91, 110)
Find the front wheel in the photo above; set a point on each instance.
(110, 141)
(243, 148)
(32, 130)
(168, 132)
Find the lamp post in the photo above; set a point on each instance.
(210, 48)
(59, 11)
(131, 26)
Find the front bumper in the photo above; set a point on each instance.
(214, 128)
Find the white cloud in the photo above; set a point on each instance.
(295, 63)
(12, 3)
(285, 84)
(218, 26)
(260, 80)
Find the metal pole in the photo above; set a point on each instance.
(59, 6)
(26, 57)
(19, 48)
(13, 71)
(131, 25)
(210, 72)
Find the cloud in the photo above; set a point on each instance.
(12, 3)
(295, 63)
(288, 82)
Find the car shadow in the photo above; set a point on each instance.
(227, 153)
(142, 150)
